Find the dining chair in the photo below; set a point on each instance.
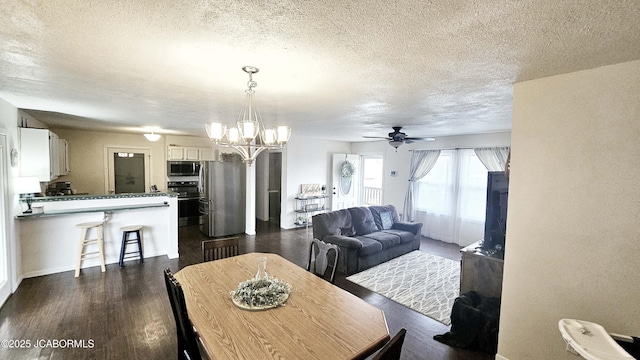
(187, 336)
(392, 349)
(217, 249)
(320, 254)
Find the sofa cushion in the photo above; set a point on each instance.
(386, 220)
(362, 220)
(376, 211)
(348, 231)
(330, 223)
(386, 239)
(404, 236)
(369, 246)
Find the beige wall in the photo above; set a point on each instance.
(573, 231)
(87, 157)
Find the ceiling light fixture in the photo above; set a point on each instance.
(243, 138)
(153, 136)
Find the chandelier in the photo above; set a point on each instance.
(249, 137)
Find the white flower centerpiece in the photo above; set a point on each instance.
(262, 292)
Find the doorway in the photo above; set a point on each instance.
(128, 170)
(345, 180)
(5, 253)
(372, 177)
(275, 187)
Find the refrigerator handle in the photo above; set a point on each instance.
(201, 180)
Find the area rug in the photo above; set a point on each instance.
(423, 282)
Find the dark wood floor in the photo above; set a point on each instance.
(125, 313)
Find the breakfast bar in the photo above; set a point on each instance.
(48, 237)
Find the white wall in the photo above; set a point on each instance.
(9, 128)
(306, 161)
(395, 188)
(573, 231)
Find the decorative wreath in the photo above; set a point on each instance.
(347, 170)
(261, 293)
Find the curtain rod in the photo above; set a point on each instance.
(443, 149)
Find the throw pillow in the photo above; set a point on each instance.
(348, 231)
(387, 220)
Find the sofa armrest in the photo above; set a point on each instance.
(343, 241)
(414, 228)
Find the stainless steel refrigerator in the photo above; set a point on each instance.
(222, 198)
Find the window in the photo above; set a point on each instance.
(371, 180)
(452, 198)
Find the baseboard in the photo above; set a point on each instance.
(90, 263)
(500, 357)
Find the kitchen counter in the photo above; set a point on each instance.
(107, 209)
(101, 196)
(48, 241)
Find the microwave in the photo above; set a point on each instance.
(183, 168)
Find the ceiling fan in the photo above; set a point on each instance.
(397, 138)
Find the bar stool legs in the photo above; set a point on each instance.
(126, 230)
(85, 230)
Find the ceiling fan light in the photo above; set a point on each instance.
(395, 144)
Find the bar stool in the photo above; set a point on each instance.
(85, 240)
(126, 230)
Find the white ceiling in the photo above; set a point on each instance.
(329, 69)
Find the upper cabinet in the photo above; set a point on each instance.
(189, 153)
(183, 153)
(42, 154)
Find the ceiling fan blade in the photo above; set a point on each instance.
(376, 137)
(420, 138)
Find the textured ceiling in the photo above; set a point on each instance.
(329, 69)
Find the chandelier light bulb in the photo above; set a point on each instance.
(284, 132)
(269, 136)
(216, 131)
(248, 130)
(233, 135)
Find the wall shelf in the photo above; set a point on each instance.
(306, 207)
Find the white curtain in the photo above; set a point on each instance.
(493, 158)
(422, 162)
(451, 199)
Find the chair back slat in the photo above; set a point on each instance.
(217, 249)
(320, 255)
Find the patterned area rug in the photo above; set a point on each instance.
(423, 282)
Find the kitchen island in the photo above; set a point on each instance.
(48, 241)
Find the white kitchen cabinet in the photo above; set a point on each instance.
(175, 153)
(191, 153)
(183, 153)
(42, 154)
(207, 154)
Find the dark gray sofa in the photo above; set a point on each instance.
(366, 236)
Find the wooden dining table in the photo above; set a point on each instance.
(318, 321)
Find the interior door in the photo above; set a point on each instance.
(129, 181)
(275, 180)
(345, 181)
(5, 254)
